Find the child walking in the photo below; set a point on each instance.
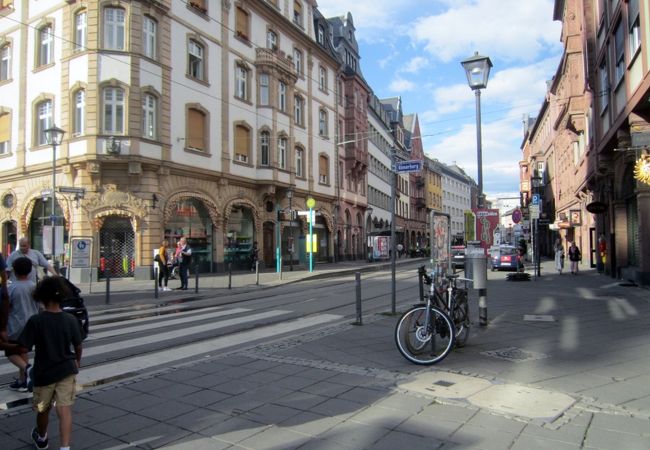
(53, 334)
(14, 313)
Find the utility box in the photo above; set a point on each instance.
(476, 264)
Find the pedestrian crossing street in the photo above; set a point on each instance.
(117, 331)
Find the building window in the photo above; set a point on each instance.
(195, 63)
(265, 148)
(241, 24)
(242, 143)
(149, 115)
(264, 89)
(46, 45)
(322, 78)
(114, 29)
(320, 37)
(619, 44)
(300, 157)
(5, 133)
(298, 108)
(634, 26)
(282, 96)
(149, 37)
(604, 87)
(323, 169)
(196, 126)
(5, 63)
(271, 40)
(80, 28)
(282, 153)
(44, 120)
(297, 13)
(113, 110)
(199, 5)
(241, 82)
(79, 112)
(322, 122)
(297, 60)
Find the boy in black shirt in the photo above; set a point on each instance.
(56, 337)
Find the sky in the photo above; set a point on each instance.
(413, 49)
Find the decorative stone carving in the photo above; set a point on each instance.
(114, 202)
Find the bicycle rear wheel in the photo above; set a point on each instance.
(421, 342)
(460, 317)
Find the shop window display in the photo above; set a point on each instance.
(238, 241)
(190, 218)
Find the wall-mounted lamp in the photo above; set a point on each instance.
(154, 201)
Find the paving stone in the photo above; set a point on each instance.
(427, 427)
(382, 417)
(170, 409)
(600, 438)
(139, 401)
(337, 407)
(327, 389)
(404, 402)
(194, 442)
(568, 434)
(152, 384)
(398, 440)
(275, 438)
(175, 391)
(448, 412)
(493, 422)
(300, 400)
(155, 436)
(355, 434)
(198, 419)
(122, 425)
(311, 424)
(204, 397)
(233, 430)
(235, 387)
(482, 438)
(621, 424)
(270, 414)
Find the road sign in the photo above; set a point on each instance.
(534, 211)
(408, 166)
(535, 199)
(72, 190)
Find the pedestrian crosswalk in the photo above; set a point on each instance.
(123, 345)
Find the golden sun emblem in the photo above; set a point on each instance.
(642, 169)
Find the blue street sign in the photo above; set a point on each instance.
(535, 199)
(408, 166)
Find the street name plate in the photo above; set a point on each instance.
(408, 166)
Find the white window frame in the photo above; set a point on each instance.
(241, 82)
(297, 60)
(150, 37)
(265, 148)
(79, 112)
(271, 40)
(114, 28)
(5, 62)
(619, 52)
(282, 96)
(80, 31)
(45, 112)
(149, 116)
(282, 153)
(265, 83)
(113, 106)
(322, 122)
(45, 45)
(299, 162)
(322, 78)
(195, 60)
(298, 110)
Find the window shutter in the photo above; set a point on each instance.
(241, 24)
(5, 127)
(241, 140)
(322, 166)
(195, 129)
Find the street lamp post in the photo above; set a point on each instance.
(290, 197)
(537, 184)
(54, 136)
(368, 231)
(477, 68)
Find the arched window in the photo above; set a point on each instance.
(150, 37)
(45, 45)
(149, 116)
(114, 112)
(80, 30)
(114, 29)
(282, 153)
(195, 60)
(265, 148)
(44, 120)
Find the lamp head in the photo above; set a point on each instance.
(477, 68)
(54, 135)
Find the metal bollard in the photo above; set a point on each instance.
(421, 283)
(108, 288)
(156, 274)
(229, 275)
(357, 279)
(196, 277)
(257, 273)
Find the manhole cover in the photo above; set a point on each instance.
(444, 383)
(514, 354)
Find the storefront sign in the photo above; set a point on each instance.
(596, 207)
(81, 251)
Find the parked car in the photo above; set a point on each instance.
(504, 258)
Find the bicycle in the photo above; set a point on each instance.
(425, 334)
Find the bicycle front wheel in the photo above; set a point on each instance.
(421, 341)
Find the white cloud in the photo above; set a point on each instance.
(503, 29)
(414, 65)
(401, 85)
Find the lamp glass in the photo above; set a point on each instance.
(477, 68)
(54, 135)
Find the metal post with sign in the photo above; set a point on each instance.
(310, 242)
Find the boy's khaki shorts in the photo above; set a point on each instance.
(62, 392)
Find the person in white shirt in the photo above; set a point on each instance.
(35, 257)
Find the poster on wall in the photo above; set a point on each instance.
(440, 236)
(380, 247)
